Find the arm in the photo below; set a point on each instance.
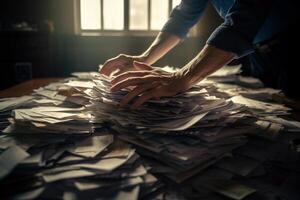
(242, 23)
(232, 39)
(162, 44)
(182, 18)
(209, 60)
(153, 84)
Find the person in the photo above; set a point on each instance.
(250, 28)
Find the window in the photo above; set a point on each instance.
(123, 15)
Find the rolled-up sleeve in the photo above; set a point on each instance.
(242, 23)
(184, 16)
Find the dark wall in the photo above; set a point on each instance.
(85, 53)
(37, 11)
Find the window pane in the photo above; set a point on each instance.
(90, 14)
(175, 3)
(113, 14)
(138, 15)
(159, 13)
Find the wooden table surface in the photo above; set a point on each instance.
(26, 87)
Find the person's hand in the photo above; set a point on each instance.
(120, 64)
(150, 83)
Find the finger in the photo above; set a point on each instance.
(145, 97)
(135, 92)
(122, 70)
(127, 67)
(110, 66)
(113, 64)
(141, 66)
(131, 74)
(134, 81)
(100, 67)
(113, 74)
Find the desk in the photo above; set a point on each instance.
(26, 87)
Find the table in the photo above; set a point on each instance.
(26, 87)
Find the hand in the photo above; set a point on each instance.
(120, 64)
(151, 83)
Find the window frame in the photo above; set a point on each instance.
(125, 32)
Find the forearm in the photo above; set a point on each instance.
(209, 60)
(162, 44)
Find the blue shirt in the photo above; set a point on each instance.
(246, 22)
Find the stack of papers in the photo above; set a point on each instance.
(190, 131)
(46, 110)
(8, 104)
(83, 167)
(53, 140)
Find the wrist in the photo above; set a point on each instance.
(188, 76)
(184, 79)
(141, 58)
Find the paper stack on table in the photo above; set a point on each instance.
(51, 166)
(187, 132)
(55, 131)
(46, 110)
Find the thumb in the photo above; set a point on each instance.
(141, 66)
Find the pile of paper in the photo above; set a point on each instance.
(46, 110)
(51, 139)
(185, 133)
(82, 167)
(7, 105)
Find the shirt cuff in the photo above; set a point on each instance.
(177, 25)
(228, 39)
(175, 28)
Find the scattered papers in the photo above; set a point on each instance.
(11, 103)
(94, 162)
(73, 135)
(230, 189)
(10, 158)
(91, 146)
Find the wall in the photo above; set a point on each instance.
(37, 11)
(82, 53)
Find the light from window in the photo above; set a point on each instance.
(114, 14)
(90, 12)
(159, 14)
(138, 15)
(175, 3)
